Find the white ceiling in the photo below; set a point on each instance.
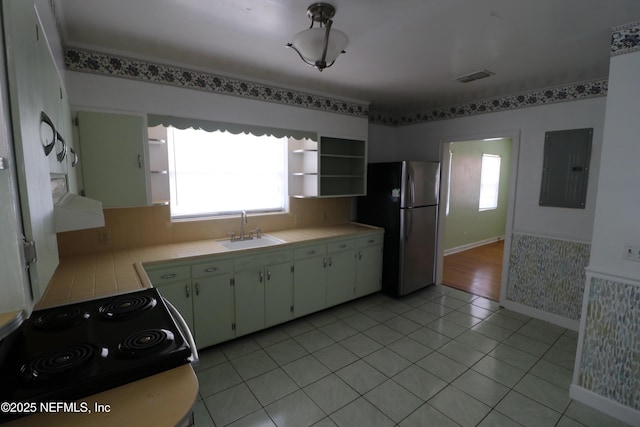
(403, 54)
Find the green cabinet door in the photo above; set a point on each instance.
(341, 277)
(249, 300)
(180, 296)
(369, 278)
(309, 285)
(213, 310)
(278, 294)
(112, 154)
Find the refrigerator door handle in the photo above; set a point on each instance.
(412, 187)
(413, 191)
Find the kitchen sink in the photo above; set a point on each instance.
(265, 240)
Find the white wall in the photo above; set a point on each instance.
(423, 141)
(617, 219)
(89, 91)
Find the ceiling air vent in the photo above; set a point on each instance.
(474, 76)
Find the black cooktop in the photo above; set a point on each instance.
(72, 351)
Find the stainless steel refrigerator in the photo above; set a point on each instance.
(403, 198)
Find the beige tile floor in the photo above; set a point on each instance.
(439, 357)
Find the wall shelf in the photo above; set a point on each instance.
(158, 165)
(332, 167)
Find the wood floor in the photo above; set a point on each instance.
(476, 270)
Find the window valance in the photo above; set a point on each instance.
(234, 128)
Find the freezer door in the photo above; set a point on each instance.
(421, 183)
(417, 248)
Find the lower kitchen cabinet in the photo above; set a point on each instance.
(369, 267)
(253, 274)
(310, 282)
(249, 300)
(309, 279)
(229, 296)
(341, 272)
(213, 306)
(278, 294)
(213, 310)
(203, 295)
(179, 295)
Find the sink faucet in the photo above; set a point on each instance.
(243, 221)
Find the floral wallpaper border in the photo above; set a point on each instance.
(625, 39)
(610, 363)
(89, 61)
(569, 92)
(548, 274)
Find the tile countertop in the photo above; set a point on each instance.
(93, 275)
(164, 398)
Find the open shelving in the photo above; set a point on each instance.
(332, 167)
(158, 166)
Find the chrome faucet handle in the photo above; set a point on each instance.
(232, 234)
(258, 232)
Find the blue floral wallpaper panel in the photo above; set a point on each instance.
(548, 274)
(610, 363)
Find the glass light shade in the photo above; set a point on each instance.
(310, 44)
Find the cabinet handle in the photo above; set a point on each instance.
(324, 263)
(359, 254)
(168, 276)
(330, 262)
(370, 241)
(63, 152)
(187, 290)
(268, 274)
(75, 158)
(46, 145)
(261, 276)
(311, 252)
(342, 246)
(210, 269)
(197, 289)
(140, 161)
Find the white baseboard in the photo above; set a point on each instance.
(610, 407)
(472, 245)
(561, 321)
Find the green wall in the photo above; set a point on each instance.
(464, 224)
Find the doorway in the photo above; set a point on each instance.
(477, 204)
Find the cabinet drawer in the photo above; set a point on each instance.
(212, 268)
(371, 240)
(169, 275)
(342, 245)
(309, 251)
(261, 260)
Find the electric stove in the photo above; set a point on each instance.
(72, 351)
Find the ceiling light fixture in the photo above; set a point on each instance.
(319, 47)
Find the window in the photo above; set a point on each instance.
(489, 182)
(218, 173)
